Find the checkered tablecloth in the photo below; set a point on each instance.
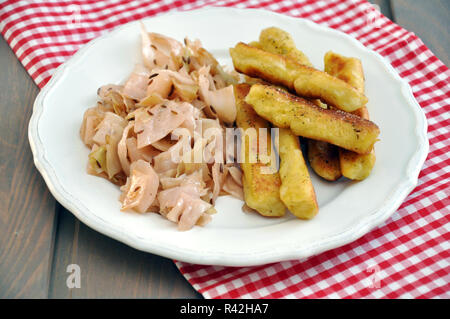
(407, 256)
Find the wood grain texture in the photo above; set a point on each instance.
(39, 238)
(110, 269)
(36, 245)
(384, 7)
(27, 214)
(429, 20)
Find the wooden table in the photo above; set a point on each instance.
(39, 238)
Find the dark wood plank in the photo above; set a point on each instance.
(110, 269)
(27, 216)
(384, 7)
(429, 20)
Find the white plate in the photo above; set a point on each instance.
(348, 210)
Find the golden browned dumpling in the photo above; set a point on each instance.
(308, 120)
(278, 41)
(261, 190)
(354, 166)
(297, 191)
(306, 81)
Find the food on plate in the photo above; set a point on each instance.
(163, 135)
(305, 80)
(356, 166)
(258, 63)
(308, 120)
(347, 69)
(296, 191)
(261, 189)
(278, 41)
(146, 134)
(317, 84)
(353, 165)
(323, 157)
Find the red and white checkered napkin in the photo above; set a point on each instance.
(407, 256)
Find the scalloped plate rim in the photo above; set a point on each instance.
(348, 235)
